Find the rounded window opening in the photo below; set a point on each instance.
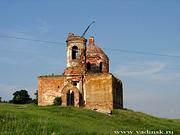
(75, 83)
(74, 52)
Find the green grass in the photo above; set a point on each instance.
(55, 120)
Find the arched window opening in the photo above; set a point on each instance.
(75, 83)
(70, 98)
(94, 68)
(74, 52)
(100, 67)
(88, 66)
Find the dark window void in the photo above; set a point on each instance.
(70, 98)
(100, 66)
(88, 66)
(74, 52)
(75, 83)
(93, 68)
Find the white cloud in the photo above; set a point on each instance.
(153, 102)
(6, 91)
(140, 70)
(166, 77)
(148, 85)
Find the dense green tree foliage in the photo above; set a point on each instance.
(36, 98)
(21, 97)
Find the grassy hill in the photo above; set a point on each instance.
(56, 120)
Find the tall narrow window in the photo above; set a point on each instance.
(100, 67)
(88, 66)
(74, 52)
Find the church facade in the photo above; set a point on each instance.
(86, 81)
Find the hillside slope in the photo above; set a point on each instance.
(56, 120)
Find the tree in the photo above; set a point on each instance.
(0, 99)
(36, 98)
(57, 101)
(21, 97)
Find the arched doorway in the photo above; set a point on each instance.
(70, 98)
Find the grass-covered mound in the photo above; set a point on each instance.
(56, 120)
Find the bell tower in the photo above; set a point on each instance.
(76, 49)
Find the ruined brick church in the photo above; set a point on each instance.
(86, 81)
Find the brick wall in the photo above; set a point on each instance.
(98, 90)
(48, 88)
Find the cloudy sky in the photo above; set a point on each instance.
(141, 38)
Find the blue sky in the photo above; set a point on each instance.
(151, 82)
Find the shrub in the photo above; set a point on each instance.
(57, 101)
(35, 101)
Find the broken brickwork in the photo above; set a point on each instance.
(86, 81)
